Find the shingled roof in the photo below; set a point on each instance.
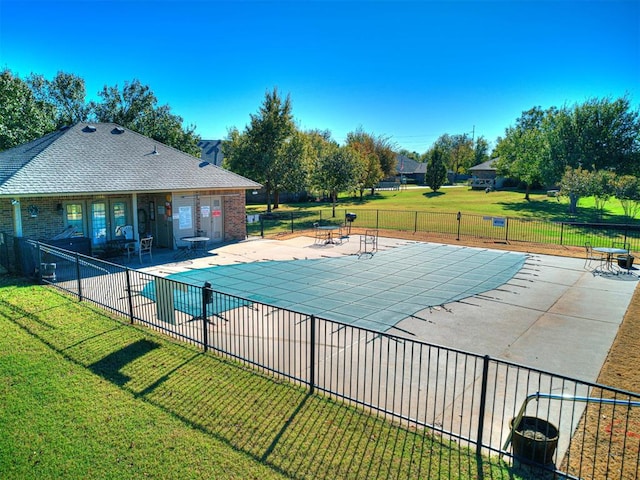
(106, 158)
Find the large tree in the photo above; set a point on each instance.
(66, 92)
(600, 134)
(23, 117)
(136, 107)
(260, 151)
(376, 156)
(524, 151)
(337, 170)
(458, 153)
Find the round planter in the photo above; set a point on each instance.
(48, 271)
(625, 261)
(534, 440)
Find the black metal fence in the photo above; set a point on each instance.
(452, 225)
(455, 396)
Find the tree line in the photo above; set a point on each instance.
(35, 106)
(553, 148)
(590, 149)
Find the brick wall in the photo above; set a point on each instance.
(235, 215)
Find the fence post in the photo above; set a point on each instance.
(207, 296)
(291, 222)
(261, 226)
(39, 260)
(561, 232)
(458, 217)
(483, 403)
(377, 219)
(77, 258)
(129, 298)
(312, 354)
(506, 230)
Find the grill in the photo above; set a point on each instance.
(349, 218)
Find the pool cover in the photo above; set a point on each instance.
(370, 291)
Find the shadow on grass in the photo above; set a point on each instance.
(276, 423)
(431, 194)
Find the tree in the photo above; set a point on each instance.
(66, 92)
(457, 152)
(480, 151)
(376, 155)
(436, 174)
(602, 188)
(291, 172)
(135, 107)
(524, 151)
(337, 170)
(626, 188)
(23, 117)
(412, 155)
(575, 183)
(602, 133)
(259, 152)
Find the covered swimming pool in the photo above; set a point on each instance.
(369, 291)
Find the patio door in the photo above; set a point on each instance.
(106, 216)
(211, 217)
(99, 223)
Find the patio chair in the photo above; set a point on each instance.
(127, 232)
(368, 242)
(145, 248)
(592, 257)
(319, 235)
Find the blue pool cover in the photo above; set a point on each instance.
(374, 292)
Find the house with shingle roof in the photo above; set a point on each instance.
(93, 179)
(485, 175)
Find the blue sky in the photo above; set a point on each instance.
(407, 70)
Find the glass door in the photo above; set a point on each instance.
(118, 216)
(99, 223)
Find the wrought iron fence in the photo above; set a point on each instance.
(452, 225)
(458, 397)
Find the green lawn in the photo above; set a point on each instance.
(85, 395)
(462, 199)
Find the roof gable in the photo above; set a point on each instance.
(106, 158)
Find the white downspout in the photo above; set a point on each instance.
(17, 217)
(134, 205)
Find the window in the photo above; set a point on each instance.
(74, 218)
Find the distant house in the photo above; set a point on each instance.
(93, 179)
(413, 171)
(485, 176)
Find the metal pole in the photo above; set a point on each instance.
(77, 258)
(312, 354)
(128, 271)
(206, 298)
(458, 217)
(483, 403)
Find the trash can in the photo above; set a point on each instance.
(534, 440)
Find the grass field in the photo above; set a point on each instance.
(463, 199)
(84, 395)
